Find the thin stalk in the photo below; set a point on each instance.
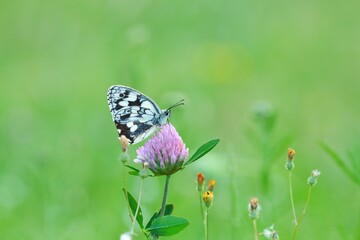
(206, 224)
(126, 195)
(166, 188)
(255, 230)
(138, 206)
(292, 200)
(201, 206)
(303, 213)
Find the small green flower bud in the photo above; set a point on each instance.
(124, 157)
(144, 173)
(289, 165)
(312, 180)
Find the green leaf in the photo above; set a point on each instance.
(153, 217)
(340, 162)
(134, 173)
(132, 168)
(204, 149)
(169, 208)
(133, 205)
(167, 225)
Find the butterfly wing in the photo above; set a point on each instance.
(134, 114)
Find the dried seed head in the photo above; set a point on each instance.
(254, 208)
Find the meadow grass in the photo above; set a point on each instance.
(60, 177)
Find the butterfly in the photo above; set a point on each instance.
(136, 116)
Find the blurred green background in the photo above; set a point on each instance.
(261, 76)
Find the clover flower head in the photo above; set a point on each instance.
(165, 152)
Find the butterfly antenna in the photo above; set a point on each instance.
(181, 102)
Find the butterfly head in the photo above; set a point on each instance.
(166, 113)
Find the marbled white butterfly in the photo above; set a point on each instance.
(135, 115)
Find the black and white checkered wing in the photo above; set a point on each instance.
(134, 114)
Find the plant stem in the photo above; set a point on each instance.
(163, 204)
(292, 200)
(201, 206)
(303, 213)
(255, 230)
(206, 224)
(138, 206)
(126, 195)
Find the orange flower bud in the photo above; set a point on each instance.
(211, 185)
(200, 178)
(291, 154)
(200, 182)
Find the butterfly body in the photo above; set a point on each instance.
(135, 115)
